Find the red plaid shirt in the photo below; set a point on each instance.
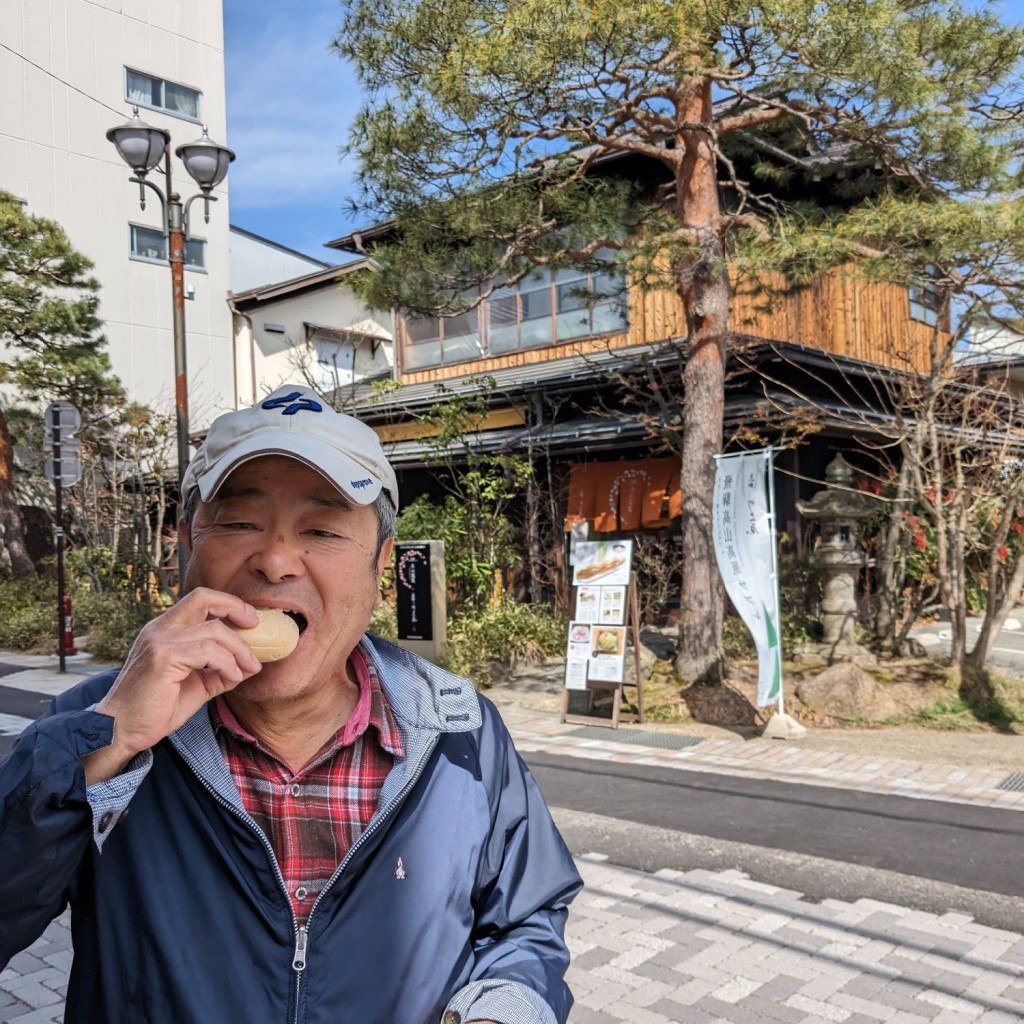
(313, 817)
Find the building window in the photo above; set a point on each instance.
(150, 245)
(158, 94)
(925, 302)
(545, 308)
(333, 363)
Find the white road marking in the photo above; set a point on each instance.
(13, 725)
(41, 680)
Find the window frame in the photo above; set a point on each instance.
(924, 301)
(163, 261)
(164, 82)
(484, 325)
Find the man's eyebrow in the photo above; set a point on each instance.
(227, 493)
(337, 503)
(333, 502)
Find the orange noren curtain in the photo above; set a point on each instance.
(624, 495)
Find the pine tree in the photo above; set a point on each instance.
(51, 345)
(490, 125)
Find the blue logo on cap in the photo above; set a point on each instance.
(361, 483)
(293, 403)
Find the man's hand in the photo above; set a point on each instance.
(180, 660)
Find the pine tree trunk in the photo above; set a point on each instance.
(533, 527)
(704, 289)
(10, 515)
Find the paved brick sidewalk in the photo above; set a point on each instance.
(34, 983)
(705, 947)
(771, 759)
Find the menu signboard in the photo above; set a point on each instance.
(596, 647)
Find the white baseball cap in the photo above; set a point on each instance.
(298, 423)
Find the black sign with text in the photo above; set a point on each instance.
(412, 571)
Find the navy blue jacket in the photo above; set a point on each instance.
(179, 912)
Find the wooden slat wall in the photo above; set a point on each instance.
(839, 313)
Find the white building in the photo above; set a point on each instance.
(71, 69)
(310, 329)
(257, 261)
(992, 342)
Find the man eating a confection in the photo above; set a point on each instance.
(344, 833)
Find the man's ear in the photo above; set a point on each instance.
(185, 536)
(383, 561)
(384, 558)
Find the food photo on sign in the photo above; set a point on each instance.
(577, 655)
(607, 653)
(606, 562)
(613, 605)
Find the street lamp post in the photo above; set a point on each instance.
(142, 147)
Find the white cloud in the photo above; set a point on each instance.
(290, 104)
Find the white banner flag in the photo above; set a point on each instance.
(744, 539)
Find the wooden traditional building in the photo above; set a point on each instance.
(581, 373)
(531, 351)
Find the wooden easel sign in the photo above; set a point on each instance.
(606, 612)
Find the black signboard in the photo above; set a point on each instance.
(413, 592)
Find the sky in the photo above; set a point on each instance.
(291, 102)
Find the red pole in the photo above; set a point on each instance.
(68, 625)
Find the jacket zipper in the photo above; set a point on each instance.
(302, 932)
(299, 956)
(302, 937)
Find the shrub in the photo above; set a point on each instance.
(800, 594)
(383, 622)
(508, 635)
(477, 542)
(800, 604)
(115, 625)
(28, 613)
(736, 639)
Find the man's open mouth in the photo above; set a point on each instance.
(298, 618)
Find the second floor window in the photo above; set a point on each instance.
(150, 244)
(159, 94)
(545, 308)
(925, 300)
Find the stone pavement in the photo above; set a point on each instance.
(702, 947)
(706, 947)
(34, 983)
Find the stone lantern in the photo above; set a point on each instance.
(838, 509)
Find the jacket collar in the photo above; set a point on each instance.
(421, 695)
(425, 700)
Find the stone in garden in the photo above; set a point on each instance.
(648, 659)
(846, 692)
(783, 727)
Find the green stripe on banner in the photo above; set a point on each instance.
(773, 646)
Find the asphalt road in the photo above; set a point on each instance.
(838, 842)
(1007, 650)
